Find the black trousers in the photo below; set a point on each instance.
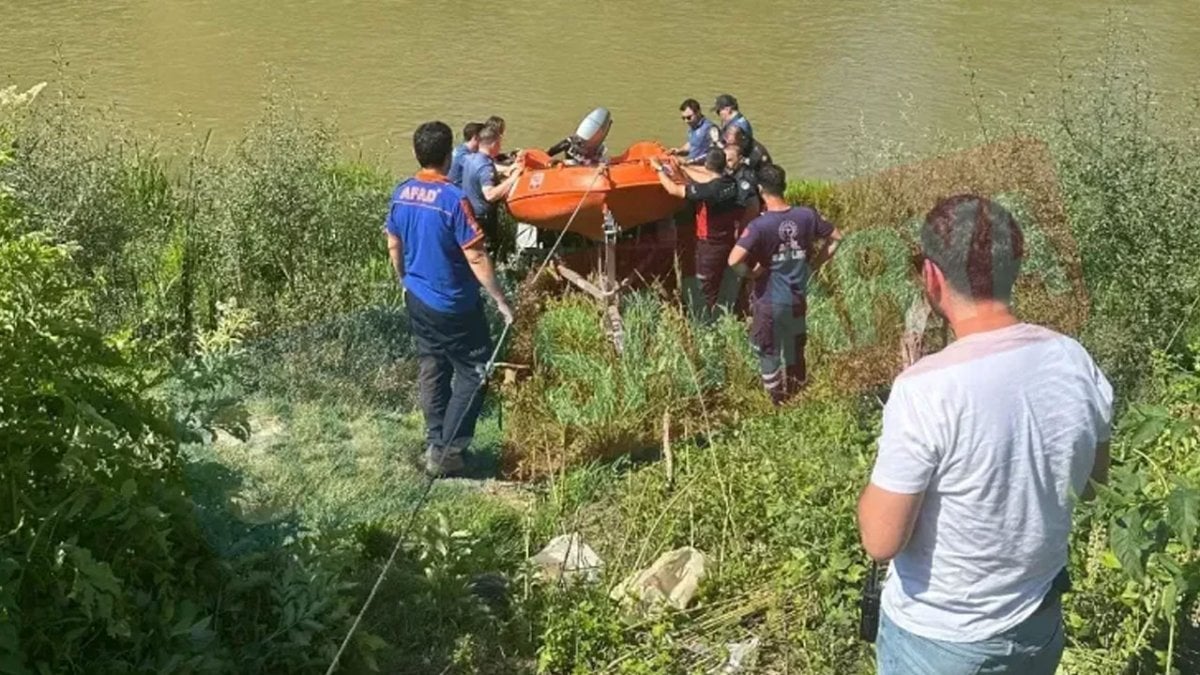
(452, 354)
(714, 274)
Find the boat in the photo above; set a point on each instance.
(548, 192)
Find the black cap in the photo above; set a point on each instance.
(725, 101)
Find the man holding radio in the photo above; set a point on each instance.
(984, 447)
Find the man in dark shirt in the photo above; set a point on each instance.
(746, 181)
(436, 248)
(713, 193)
(754, 154)
(777, 252)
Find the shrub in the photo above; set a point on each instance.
(102, 566)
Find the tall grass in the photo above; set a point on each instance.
(278, 221)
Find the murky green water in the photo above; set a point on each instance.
(808, 74)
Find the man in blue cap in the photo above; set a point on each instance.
(726, 108)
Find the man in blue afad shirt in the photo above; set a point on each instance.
(437, 250)
(779, 252)
(700, 136)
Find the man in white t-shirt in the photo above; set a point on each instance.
(985, 446)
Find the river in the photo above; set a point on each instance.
(810, 76)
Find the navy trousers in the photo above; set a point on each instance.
(452, 354)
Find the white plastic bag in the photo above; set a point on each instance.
(673, 579)
(568, 556)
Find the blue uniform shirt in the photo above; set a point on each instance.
(435, 223)
(478, 172)
(739, 120)
(699, 140)
(456, 157)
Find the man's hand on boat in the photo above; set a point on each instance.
(669, 168)
(517, 166)
(661, 166)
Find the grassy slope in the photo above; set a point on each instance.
(337, 466)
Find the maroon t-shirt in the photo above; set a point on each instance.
(782, 241)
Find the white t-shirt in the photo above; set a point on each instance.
(999, 430)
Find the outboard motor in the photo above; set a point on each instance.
(592, 131)
(586, 145)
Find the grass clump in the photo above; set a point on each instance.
(585, 401)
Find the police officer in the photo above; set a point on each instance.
(726, 108)
(700, 129)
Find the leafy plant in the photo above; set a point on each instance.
(102, 565)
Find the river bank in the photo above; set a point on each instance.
(120, 261)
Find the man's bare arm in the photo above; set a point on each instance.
(481, 266)
(737, 260)
(396, 253)
(828, 248)
(886, 520)
(674, 189)
(499, 191)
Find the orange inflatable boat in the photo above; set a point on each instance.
(547, 194)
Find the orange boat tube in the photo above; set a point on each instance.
(548, 193)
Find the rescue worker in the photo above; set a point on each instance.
(754, 154)
(700, 129)
(480, 185)
(745, 178)
(437, 250)
(714, 195)
(726, 108)
(779, 252)
(470, 144)
(504, 158)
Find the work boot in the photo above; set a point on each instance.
(440, 462)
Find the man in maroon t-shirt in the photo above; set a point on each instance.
(714, 194)
(779, 252)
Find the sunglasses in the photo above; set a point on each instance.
(687, 118)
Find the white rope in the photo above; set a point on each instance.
(550, 256)
(425, 490)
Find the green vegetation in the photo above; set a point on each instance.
(208, 416)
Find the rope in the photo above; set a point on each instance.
(428, 484)
(412, 516)
(553, 249)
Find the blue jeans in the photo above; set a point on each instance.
(1032, 647)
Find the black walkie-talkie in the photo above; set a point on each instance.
(868, 605)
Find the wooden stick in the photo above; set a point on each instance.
(668, 456)
(583, 284)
